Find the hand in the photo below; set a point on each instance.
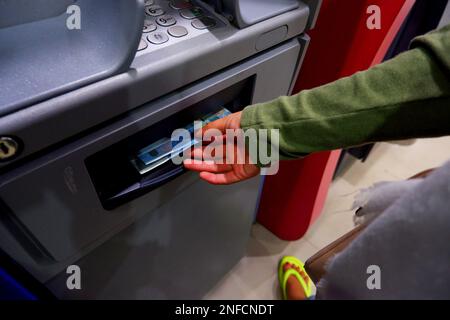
(220, 173)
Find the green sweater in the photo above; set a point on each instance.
(406, 97)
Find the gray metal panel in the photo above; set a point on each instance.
(445, 20)
(71, 224)
(179, 251)
(15, 12)
(304, 42)
(152, 75)
(314, 7)
(249, 12)
(43, 58)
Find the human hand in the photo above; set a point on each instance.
(222, 172)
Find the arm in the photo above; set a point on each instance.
(406, 97)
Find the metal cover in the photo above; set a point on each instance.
(41, 58)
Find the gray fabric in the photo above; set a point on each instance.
(410, 242)
(375, 200)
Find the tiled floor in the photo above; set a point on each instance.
(255, 276)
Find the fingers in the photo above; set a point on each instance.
(220, 178)
(232, 121)
(234, 175)
(220, 125)
(200, 153)
(218, 174)
(206, 166)
(211, 159)
(221, 174)
(216, 150)
(195, 153)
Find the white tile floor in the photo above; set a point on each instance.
(255, 276)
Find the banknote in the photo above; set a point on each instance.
(161, 151)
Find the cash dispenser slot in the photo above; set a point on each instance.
(141, 163)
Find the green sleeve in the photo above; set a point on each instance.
(405, 97)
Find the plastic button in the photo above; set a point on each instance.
(154, 11)
(191, 13)
(149, 26)
(166, 20)
(204, 23)
(177, 31)
(180, 4)
(142, 45)
(157, 37)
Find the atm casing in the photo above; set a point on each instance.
(52, 213)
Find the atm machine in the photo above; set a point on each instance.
(76, 104)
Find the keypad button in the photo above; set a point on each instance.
(180, 4)
(166, 20)
(158, 37)
(204, 23)
(142, 45)
(177, 31)
(154, 11)
(149, 26)
(193, 13)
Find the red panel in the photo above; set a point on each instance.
(341, 45)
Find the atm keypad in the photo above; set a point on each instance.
(170, 21)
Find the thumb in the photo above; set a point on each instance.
(221, 125)
(233, 121)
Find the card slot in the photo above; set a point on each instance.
(130, 168)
